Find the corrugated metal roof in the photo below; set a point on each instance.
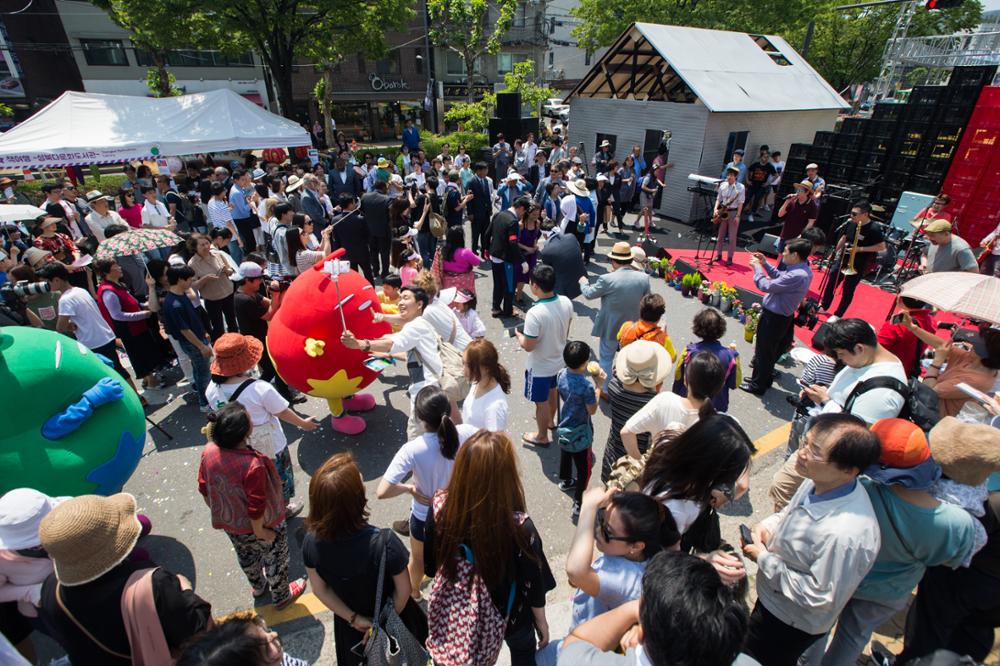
(728, 71)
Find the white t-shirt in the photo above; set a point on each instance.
(620, 580)
(445, 322)
(91, 329)
(431, 470)
(870, 406)
(419, 336)
(660, 413)
(154, 214)
(98, 223)
(263, 403)
(488, 411)
(548, 322)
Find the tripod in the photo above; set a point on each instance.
(700, 228)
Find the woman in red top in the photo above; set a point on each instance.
(242, 488)
(130, 322)
(898, 337)
(60, 245)
(130, 211)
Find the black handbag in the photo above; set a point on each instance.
(390, 642)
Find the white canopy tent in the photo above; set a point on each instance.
(88, 128)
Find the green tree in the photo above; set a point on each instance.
(157, 27)
(366, 37)
(847, 47)
(475, 116)
(470, 29)
(282, 30)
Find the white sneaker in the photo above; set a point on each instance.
(750, 217)
(832, 319)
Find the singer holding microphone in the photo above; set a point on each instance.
(799, 212)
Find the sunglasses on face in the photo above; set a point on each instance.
(601, 526)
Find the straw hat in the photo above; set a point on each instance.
(578, 187)
(605, 144)
(36, 257)
(21, 512)
(235, 354)
(621, 252)
(806, 185)
(645, 362)
(812, 165)
(88, 536)
(640, 261)
(294, 183)
(382, 163)
(967, 452)
(96, 195)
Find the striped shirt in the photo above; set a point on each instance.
(624, 404)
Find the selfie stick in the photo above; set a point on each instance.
(332, 266)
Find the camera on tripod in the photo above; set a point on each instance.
(807, 313)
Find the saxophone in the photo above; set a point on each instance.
(849, 269)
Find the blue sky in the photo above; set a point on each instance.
(991, 4)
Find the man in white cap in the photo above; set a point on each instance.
(253, 310)
(602, 157)
(511, 189)
(812, 175)
(579, 216)
(101, 215)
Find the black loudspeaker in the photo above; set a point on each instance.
(831, 210)
(528, 125)
(509, 127)
(509, 105)
(769, 245)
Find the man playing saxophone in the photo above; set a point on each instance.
(859, 240)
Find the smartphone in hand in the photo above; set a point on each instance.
(745, 534)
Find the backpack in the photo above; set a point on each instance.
(920, 401)
(465, 627)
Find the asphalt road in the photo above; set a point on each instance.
(183, 540)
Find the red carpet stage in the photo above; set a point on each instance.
(870, 303)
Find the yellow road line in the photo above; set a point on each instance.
(772, 440)
(309, 603)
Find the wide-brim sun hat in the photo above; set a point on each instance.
(639, 258)
(967, 452)
(21, 514)
(621, 252)
(645, 362)
(578, 187)
(294, 183)
(235, 354)
(89, 535)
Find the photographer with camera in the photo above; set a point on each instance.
(253, 311)
(80, 317)
(783, 290)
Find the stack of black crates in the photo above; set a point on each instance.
(902, 147)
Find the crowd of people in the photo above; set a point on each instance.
(884, 489)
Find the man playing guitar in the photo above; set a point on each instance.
(870, 241)
(989, 260)
(728, 208)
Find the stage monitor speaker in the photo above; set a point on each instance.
(769, 245)
(509, 105)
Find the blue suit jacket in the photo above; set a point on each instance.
(620, 293)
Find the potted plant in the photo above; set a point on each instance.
(686, 285)
(727, 295)
(752, 317)
(678, 276)
(716, 292)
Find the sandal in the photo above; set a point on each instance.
(535, 442)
